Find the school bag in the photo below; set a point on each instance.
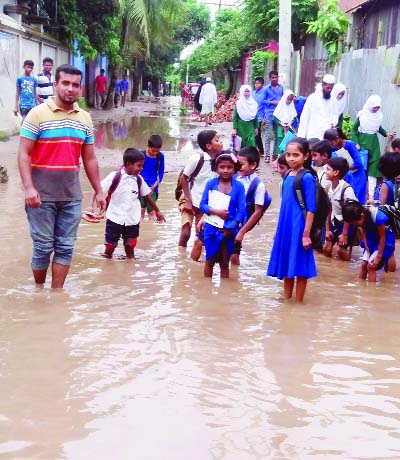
(115, 182)
(251, 195)
(323, 205)
(178, 188)
(394, 216)
(396, 194)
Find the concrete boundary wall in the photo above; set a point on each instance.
(18, 43)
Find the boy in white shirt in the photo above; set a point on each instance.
(124, 188)
(337, 231)
(321, 152)
(192, 187)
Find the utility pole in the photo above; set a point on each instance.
(285, 39)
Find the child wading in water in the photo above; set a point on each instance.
(292, 256)
(123, 189)
(223, 202)
(378, 239)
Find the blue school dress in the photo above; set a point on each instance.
(390, 197)
(214, 236)
(371, 231)
(288, 257)
(357, 178)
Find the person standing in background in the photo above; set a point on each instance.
(45, 80)
(259, 96)
(124, 89)
(100, 88)
(273, 94)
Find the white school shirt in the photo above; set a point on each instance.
(124, 207)
(201, 179)
(321, 173)
(336, 195)
(260, 190)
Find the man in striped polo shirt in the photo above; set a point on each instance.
(45, 80)
(54, 136)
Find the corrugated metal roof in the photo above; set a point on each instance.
(351, 5)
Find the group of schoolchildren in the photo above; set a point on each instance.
(220, 192)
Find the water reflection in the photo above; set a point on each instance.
(135, 132)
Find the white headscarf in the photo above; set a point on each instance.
(246, 107)
(370, 121)
(340, 105)
(285, 113)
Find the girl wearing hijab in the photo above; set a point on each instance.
(245, 120)
(284, 115)
(340, 100)
(365, 136)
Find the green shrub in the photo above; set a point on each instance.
(4, 136)
(347, 126)
(82, 103)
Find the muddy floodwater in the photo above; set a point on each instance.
(148, 360)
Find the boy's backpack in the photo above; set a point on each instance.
(178, 189)
(344, 188)
(115, 182)
(251, 195)
(396, 194)
(323, 205)
(394, 216)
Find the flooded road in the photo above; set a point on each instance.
(148, 360)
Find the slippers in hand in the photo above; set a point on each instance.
(91, 217)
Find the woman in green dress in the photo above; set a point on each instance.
(284, 114)
(365, 136)
(245, 121)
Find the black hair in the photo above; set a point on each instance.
(205, 137)
(226, 155)
(304, 147)
(29, 62)
(273, 72)
(389, 165)
(331, 134)
(260, 79)
(282, 160)
(312, 141)
(352, 210)
(68, 69)
(339, 164)
(155, 141)
(396, 143)
(47, 59)
(132, 155)
(323, 147)
(251, 154)
(102, 71)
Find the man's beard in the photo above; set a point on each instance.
(326, 95)
(64, 101)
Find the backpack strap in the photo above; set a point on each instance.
(114, 184)
(251, 192)
(298, 190)
(196, 170)
(344, 188)
(139, 184)
(159, 157)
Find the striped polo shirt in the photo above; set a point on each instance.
(45, 85)
(59, 136)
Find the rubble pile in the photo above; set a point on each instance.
(224, 111)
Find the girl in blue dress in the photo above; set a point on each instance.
(356, 177)
(378, 238)
(219, 242)
(292, 257)
(389, 167)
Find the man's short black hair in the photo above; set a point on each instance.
(260, 79)
(396, 143)
(155, 141)
(29, 62)
(273, 72)
(251, 154)
(323, 147)
(339, 164)
(47, 59)
(69, 69)
(205, 137)
(389, 165)
(102, 71)
(132, 155)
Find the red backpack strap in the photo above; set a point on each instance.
(114, 184)
(139, 184)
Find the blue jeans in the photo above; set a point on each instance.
(270, 127)
(53, 228)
